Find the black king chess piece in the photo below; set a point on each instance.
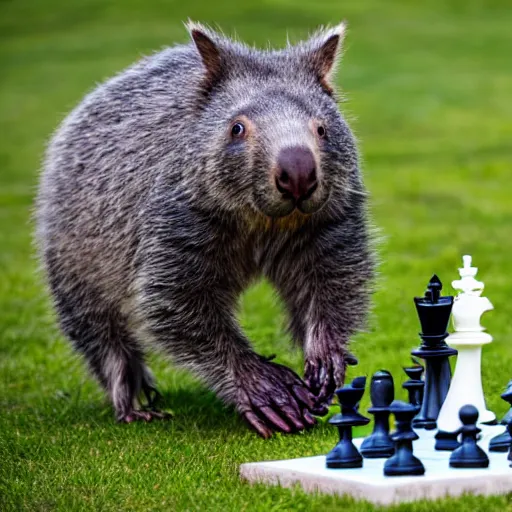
(501, 442)
(345, 454)
(469, 454)
(382, 392)
(434, 314)
(403, 462)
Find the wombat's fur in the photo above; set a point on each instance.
(155, 213)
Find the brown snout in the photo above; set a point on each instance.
(296, 176)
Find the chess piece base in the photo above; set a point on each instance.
(470, 464)
(343, 456)
(473, 458)
(377, 447)
(446, 441)
(397, 467)
(335, 464)
(500, 443)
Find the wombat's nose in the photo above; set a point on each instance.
(296, 174)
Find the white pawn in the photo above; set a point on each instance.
(468, 339)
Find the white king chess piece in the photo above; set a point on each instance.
(468, 339)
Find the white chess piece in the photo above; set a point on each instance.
(468, 339)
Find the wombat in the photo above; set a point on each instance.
(175, 184)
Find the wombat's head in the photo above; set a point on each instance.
(275, 140)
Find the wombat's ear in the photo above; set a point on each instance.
(323, 52)
(208, 48)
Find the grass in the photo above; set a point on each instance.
(428, 88)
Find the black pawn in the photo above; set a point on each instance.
(345, 454)
(415, 384)
(469, 454)
(403, 462)
(501, 442)
(382, 392)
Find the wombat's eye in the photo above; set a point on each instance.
(238, 130)
(321, 131)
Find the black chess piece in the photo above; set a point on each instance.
(382, 392)
(501, 442)
(447, 441)
(434, 314)
(509, 430)
(415, 384)
(345, 454)
(403, 462)
(508, 416)
(469, 454)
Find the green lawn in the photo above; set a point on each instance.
(429, 92)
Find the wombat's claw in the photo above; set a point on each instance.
(276, 400)
(142, 415)
(257, 424)
(324, 377)
(320, 380)
(265, 420)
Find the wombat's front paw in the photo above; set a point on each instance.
(323, 375)
(271, 397)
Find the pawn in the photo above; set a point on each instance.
(501, 442)
(403, 462)
(414, 386)
(469, 454)
(382, 392)
(345, 454)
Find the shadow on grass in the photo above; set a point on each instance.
(196, 409)
(199, 409)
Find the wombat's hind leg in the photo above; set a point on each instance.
(152, 395)
(113, 356)
(128, 380)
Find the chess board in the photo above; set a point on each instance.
(369, 483)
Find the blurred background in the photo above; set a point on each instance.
(427, 88)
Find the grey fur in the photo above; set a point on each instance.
(151, 222)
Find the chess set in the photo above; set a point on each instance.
(445, 443)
